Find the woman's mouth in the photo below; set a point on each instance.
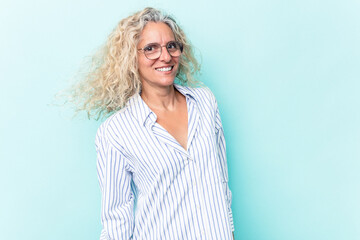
(164, 69)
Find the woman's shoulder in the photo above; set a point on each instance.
(106, 129)
(199, 93)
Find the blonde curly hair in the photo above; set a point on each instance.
(113, 76)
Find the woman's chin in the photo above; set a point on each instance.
(163, 82)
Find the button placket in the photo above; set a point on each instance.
(199, 200)
(191, 179)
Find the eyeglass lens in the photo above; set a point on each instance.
(153, 50)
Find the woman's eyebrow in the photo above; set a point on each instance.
(159, 43)
(152, 43)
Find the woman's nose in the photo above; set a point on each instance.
(164, 56)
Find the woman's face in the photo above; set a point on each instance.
(159, 72)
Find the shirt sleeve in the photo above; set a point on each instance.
(117, 215)
(220, 140)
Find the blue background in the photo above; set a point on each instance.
(285, 73)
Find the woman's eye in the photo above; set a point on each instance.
(172, 45)
(150, 48)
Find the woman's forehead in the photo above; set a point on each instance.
(156, 32)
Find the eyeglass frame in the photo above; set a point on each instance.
(161, 46)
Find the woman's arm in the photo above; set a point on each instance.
(220, 138)
(115, 182)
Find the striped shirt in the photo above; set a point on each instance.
(152, 188)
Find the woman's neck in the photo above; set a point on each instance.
(161, 99)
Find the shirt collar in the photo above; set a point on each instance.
(186, 91)
(139, 109)
(143, 113)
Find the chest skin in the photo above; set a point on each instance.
(175, 122)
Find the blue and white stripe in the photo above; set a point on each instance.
(152, 188)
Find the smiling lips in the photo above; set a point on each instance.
(164, 69)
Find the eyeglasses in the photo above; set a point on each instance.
(153, 50)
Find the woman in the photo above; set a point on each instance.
(161, 155)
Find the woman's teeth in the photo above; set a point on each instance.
(164, 69)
